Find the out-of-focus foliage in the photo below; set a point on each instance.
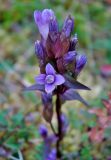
(20, 113)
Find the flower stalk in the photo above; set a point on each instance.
(60, 65)
(59, 135)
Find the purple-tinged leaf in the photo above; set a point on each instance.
(71, 83)
(48, 107)
(73, 95)
(48, 113)
(35, 87)
(57, 45)
(60, 65)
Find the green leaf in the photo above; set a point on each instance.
(18, 119)
(13, 144)
(3, 120)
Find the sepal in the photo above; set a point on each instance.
(72, 83)
(35, 87)
(71, 94)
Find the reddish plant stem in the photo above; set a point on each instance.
(59, 134)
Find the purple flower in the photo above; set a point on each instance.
(53, 26)
(52, 155)
(68, 26)
(50, 79)
(80, 63)
(39, 50)
(43, 131)
(69, 57)
(4, 153)
(42, 19)
(49, 140)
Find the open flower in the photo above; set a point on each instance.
(42, 19)
(50, 79)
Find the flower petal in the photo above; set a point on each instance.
(42, 26)
(49, 88)
(47, 15)
(59, 79)
(40, 79)
(37, 16)
(49, 69)
(42, 19)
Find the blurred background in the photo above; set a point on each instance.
(20, 112)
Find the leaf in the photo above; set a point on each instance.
(12, 144)
(71, 83)
(73, 95)
(3, 120)
(17, 119)
(34, 87)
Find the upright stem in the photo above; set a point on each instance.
(59, 134)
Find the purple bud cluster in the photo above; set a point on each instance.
(56, 51)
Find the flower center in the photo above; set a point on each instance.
(49, 79)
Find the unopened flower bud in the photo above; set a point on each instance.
(68, 26)
(39, 50)
(69, 57)
(42, 20)
(43, 131)
(53, 26)
(80, 63)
